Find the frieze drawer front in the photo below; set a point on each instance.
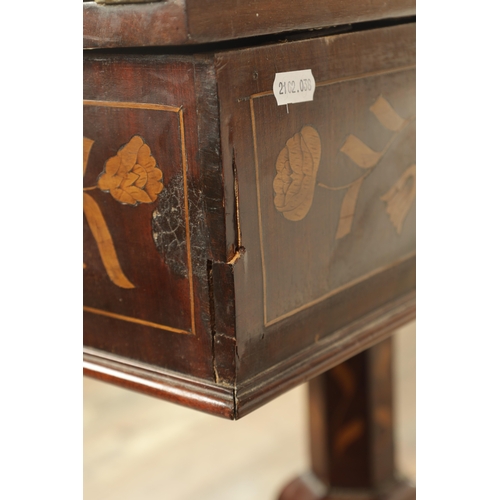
(233, 246)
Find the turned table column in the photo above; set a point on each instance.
(352, 434)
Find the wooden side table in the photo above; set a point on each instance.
(248, 228)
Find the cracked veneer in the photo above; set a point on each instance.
(168, 226)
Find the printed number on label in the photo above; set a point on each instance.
(294, 86)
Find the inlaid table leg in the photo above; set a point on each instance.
(351, 433)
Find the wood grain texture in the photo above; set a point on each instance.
(163, 384)
(227, 288)
(310, 282)
(233, 401)
(258, 17)
(306, 364)
(351, 420)
(162, 246)
(137, 446)
(351, 428)
(177, 22)
(134, 25)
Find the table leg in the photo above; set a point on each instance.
(351, 433)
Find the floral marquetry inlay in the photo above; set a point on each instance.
(298, 162)
(131, 177)
(296, 167)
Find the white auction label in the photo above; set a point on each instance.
(294, 86)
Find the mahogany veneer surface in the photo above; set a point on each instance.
(235, 248)
(179, 22)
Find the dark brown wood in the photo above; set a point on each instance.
(259, 17)
(202, 21)
(323, 355)
(163, 384)
(297, 282)
(351, 432)
(135, 25)
(163, 246)
(351, 415)
(235, 402)
(191, 265)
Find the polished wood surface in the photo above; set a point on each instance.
(351, 425)
(138, 447)
(236, 402)
(182, 22)
(235, 248)
(163, 245)
(300, 280)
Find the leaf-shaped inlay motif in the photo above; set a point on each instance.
(348, 208)
(360, 153)
(386, 115)
(132, 176)
(296, 169)
(400, 197)
(348, 434)
(104, 242)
